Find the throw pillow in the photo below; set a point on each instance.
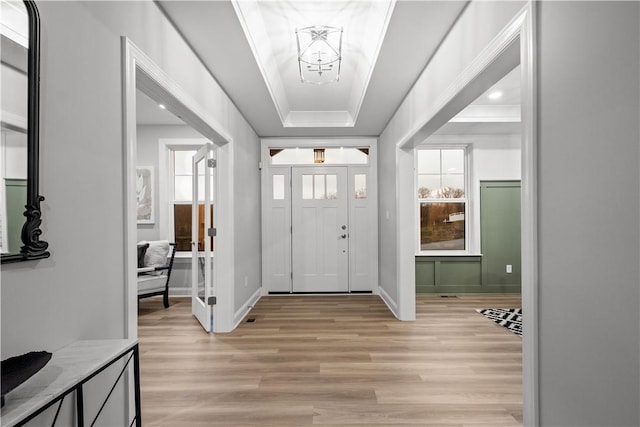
(156, 255)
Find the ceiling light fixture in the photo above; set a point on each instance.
(162, 106)
(319, 54)
(495, 95)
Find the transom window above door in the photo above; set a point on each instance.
(327, 156)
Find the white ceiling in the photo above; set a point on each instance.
(237, 69)
(490, 116)
(270, 28)
(414, 31)
(148, 112)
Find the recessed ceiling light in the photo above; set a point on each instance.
(162, 106)
(495, 95)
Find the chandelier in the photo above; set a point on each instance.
(319, 54)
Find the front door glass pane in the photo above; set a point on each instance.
(332, 187)
(278, 187)
(318, 187)
(307, 187)
(360, 186)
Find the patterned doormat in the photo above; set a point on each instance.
(510, 318)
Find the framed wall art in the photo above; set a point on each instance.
(145, 194)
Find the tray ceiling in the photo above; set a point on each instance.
(249, 47)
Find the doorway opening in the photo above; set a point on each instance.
(319, 205)
(514, 45)
(176, 189)
(141, 75)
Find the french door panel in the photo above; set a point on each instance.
(202, 265)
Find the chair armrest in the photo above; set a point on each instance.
(143, 270)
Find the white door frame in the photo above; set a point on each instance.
(516, 42)
(140, 72)
(372, 188)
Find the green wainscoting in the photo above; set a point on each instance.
(500, 234)
(500, 246)
(448, 275)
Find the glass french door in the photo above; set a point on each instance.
(202, 236)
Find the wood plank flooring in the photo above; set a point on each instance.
(332, 361)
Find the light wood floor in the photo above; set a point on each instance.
(332, 361)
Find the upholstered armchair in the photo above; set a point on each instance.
(155, 262)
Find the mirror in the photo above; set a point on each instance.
(20, 215)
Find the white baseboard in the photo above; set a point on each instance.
(246, 307)
(181, 291)
(393, 306)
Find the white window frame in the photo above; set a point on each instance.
(166, 181)
(467, 200)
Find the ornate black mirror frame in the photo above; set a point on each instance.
(33, 247)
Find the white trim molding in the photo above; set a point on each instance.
(386, 298)
(140, 72)
(514, 44)
(246, 308)
(371, 167)
(529, 207)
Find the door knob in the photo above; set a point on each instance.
(344, 236)
(344, 227)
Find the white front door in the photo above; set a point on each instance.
(320, 235)
(202, 235)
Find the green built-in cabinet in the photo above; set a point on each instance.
(500, 246)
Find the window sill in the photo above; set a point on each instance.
(186, 254)
(445, 254)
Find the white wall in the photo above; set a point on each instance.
(476, 27)
(589, 277)
(247, 227)
(79, 292)
(496, 157)
(387, 220)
